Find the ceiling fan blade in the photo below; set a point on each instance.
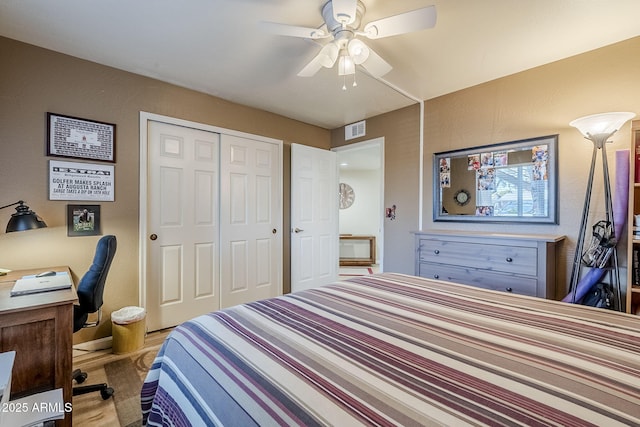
(294, 31)
(415, 20)
(344, 11)
(311, 68)
(375, 65)
(325, 58)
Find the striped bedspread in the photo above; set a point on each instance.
(392, 349)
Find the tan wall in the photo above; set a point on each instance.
(538, 102)
(34, 81)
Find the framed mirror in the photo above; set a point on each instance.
(508, 182)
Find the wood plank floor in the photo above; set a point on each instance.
(90, 409)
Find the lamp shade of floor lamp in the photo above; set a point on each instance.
(598, 128)
(23, 219)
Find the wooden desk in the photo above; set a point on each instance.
(39, 327)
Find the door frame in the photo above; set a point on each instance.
(364, 144)
(145, 118)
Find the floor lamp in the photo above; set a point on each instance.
(598, 128)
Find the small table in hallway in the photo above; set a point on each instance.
(359, 261)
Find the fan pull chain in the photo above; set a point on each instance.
(344, 82)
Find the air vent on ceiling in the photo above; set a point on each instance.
(354, 130)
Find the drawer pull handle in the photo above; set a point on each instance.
(436, 276)
(436, 251)
(509, 259)
(509, 289)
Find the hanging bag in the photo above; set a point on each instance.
(603, 240)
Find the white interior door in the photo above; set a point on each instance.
(182, 222)
(250, 220)
(314, 217)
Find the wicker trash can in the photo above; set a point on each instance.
(128, 329)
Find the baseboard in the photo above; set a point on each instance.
(99, 344)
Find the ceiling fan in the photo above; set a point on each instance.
(342, 22)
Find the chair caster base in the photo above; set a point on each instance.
(106, 393)
(79, 376)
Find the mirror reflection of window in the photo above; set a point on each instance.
(517, 193)
(515, 185)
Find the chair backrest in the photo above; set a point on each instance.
(91, 286)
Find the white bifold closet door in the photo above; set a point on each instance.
(214, 215)
(250, 220)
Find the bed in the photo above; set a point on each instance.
(392, 349)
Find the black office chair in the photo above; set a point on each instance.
(90, 291)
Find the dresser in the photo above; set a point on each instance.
(520, 263)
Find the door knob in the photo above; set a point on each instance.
(297, 230)
(153, 236)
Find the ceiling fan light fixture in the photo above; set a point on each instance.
(329, 55)
(346, 65)
(325, 58)
(358, 51)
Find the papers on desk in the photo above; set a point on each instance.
(6, 366)
(36, 409)
(32, 410)
(33, 285)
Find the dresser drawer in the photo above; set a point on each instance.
(480, 278)
(500, 258)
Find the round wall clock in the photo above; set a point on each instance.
(461, 197)
(347, 196)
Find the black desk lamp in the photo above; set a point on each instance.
(24, 218)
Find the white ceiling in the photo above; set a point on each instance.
(218, 47)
